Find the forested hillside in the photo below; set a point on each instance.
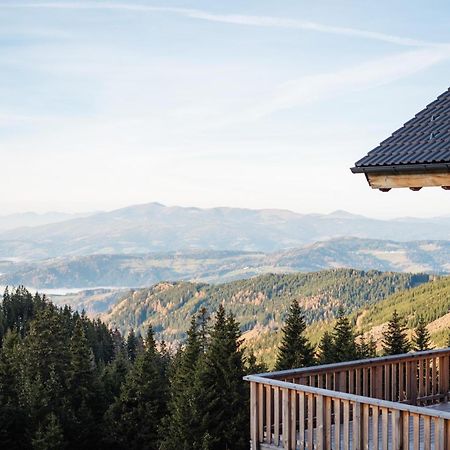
(430, 301)
(259, 303)
(67, 382)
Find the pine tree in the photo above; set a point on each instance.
(325, 349)
(421, 340)
(395, 341)
(344, 344)
(183, 424)
(253, 366)
(136, 415)
(366, 347)
(132, 345)
(295, 350)
(50, 436)
(83, 388)
(222, 399)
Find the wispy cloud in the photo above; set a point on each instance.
(233, 19)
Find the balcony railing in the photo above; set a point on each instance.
(381, 403)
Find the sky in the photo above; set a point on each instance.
(255, 104)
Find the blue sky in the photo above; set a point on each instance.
(251, 104)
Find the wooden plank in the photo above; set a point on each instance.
(286, 420)
(337, 423)
(276, 416)
(320, 426)
(416, 431)
(384, 428)
(365, 427)
(254, 416)
(396, 430)
(310, 433)
(439, 434)
(293, 419)
(268, 414)
(301, 420)
(389, 181)
(357, 427)
(327, 429)
(346, 424)
(426, 433)
(405, 433)
(401, 376)
(394, 382)
(261, 412)
(375, 434)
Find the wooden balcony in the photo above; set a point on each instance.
(394, 402)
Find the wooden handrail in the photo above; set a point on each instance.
(347, 405)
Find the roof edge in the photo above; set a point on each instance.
(403, 168)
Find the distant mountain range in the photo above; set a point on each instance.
(221, 266)
(32, 219)
(154, 227)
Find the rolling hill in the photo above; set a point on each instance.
(221, 266)
(259, 303)
(154, 227)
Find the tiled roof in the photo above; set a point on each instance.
(423, 142)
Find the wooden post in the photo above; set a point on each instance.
(286, 420)
(357, 426)
(320, 423)
(254, 416)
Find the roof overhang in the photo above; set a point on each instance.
(403, 169)
(414, 180)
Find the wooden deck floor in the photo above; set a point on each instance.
(441, 407)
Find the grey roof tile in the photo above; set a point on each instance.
(423, 140)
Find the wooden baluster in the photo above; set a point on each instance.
(421, 364)
(434, 377)
(346, 424)
(351, 381)
(426, 433)
(365, 389)
(261, 412)
(439, 433)
(254, 414)
(375, 427)
(320, 425)
(416, 431)
(405, 425)
(276, 416)
(396, 430)
(387, 383)
(384, 428)
(358, 381)
(269, 414)
(358, 421)
(394, 382)
(343, 381)
(327, 429)
(286, 419)
(337, 423)
(293, 420)
(301, 420)
(365, 427)
(401, 377)
(412, 394)
(310, 433)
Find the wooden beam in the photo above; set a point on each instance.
(414, 181)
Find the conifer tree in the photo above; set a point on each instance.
(295, 350)
(49, 436)
(132, 345)
(421, 339)
(366, 347)
(83, 388)
(183, 424)
(395, 341)
(344, 344)
(325, 349)
(253, 366)
(136, 415)
(222, 400)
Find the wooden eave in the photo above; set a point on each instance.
(414, 177)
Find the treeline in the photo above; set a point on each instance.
(343, 343)
(68, 382)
